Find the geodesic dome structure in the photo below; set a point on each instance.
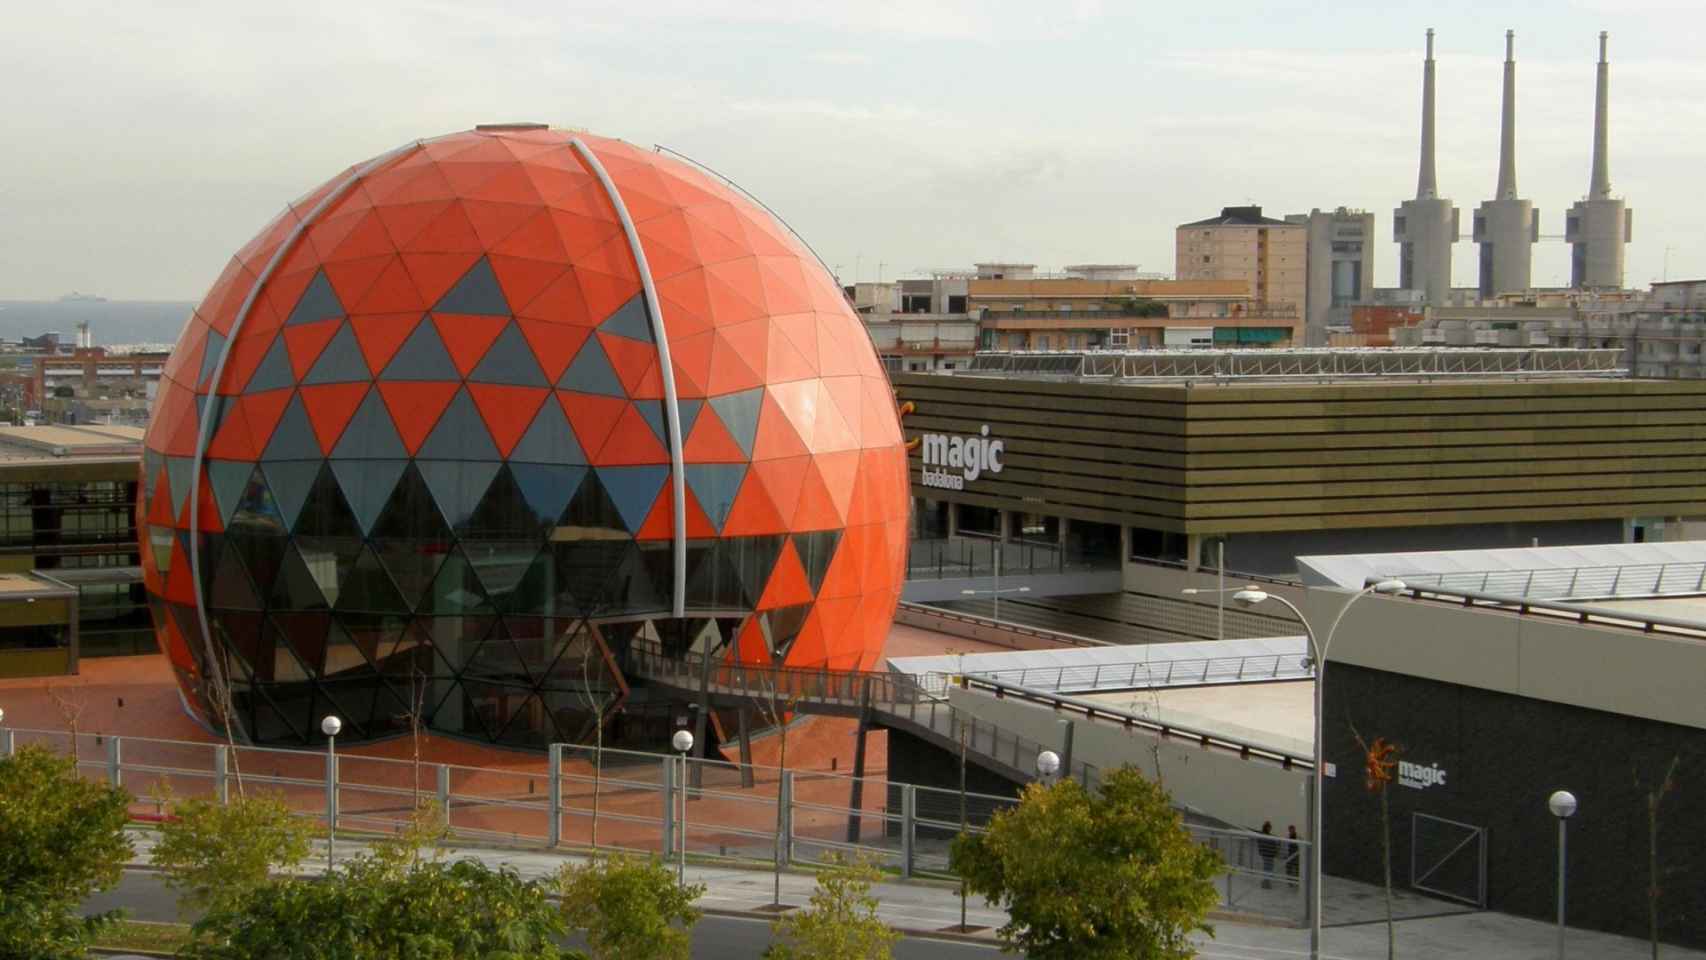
(474, 418)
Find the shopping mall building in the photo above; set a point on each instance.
(1168, 456)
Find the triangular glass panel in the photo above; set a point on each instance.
(370, 434)
(354, 698)
(713, 580)
(500, 565)
(344, 657)
(261, 554)
(753, 559)
(460, 434)
(530, 724)
(293, 438)
(341, 700)
(275, 371)
(456, 713)
(687, 411)
(367, 486)
(287, 486)
(632, 490)
(221, 409)
(545, 489)
(816, 550)
(210, 357)
(456, 591)
(305, 633)
(536, 592)
(739, 413)
(242, 634)
(228, 478)
(232, 588)
(326, 512)
(422, 357)
(645, 581)
(457, 486)
(497, 659)
(584, 569)
(366, 586)
(549, 440)
(270, 725)
(318, 302)
(510, 360)
(340, 362)
(781, 626)
(412, 564)
(152, 464)
(630, 320)
(327, 561)
(591, 513)
(258, 509)
(477, 292)
(505, 514)
(652, 412)
(411, 514)
(179, 470)
(715, 485)
(591, 372)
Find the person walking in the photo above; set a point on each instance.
(1293, 854)
(1268, 847)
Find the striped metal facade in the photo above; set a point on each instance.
(1224, 458)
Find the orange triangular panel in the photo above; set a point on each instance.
(710, 441)
(631, 359)
(554, 345)
(749, 644)
(816, 509)
(305, 341)
(508, 410)
(415, 407)
(329, 408)
(593, 416)
(839, 471)
(393, 291)
(381, 334)
(788, 584)
(753, 512)
(467, 336)
(435, 273)
(523, 279)
(632, 441)
(263, 411)
(776, 437)
(437, 226)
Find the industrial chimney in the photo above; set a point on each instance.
(1426, 227)
(1599, 227)
(1506, 228)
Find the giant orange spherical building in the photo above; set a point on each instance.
(476, 419)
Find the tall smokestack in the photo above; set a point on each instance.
(1507, 125)
(1600, 188)
(1426, 186)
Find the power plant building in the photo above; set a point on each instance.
(1598, 227)
(1426, 227)
(1506, 227)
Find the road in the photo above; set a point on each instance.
(146, 897)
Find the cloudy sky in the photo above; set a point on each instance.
(147, 141)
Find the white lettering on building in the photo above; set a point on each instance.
(951, 462)
(1419, 777)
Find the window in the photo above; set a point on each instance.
(1205, 258)
(1042, 341)
(1119, 339)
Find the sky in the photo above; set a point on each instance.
(148, 141)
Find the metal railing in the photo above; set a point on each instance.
(1635, 579)
(1100, 713)
(754, 815)
(973, 555)
(1143, 674)
(759, 682)
(1282, 363)
(1577, 612)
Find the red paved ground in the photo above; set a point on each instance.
(135, 697)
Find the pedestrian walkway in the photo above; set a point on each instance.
(1355, 914)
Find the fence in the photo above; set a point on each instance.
(1628, 580)
(1143, 674)
(577, 798)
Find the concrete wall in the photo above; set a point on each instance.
(1216, 783)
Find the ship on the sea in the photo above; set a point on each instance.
(75, 297)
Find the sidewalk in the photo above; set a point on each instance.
(1355, 914)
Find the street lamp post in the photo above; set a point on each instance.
(1249, 597)
(1048, 764)
(1562, 803)
(683, 742)
(330, 726)
(996, 592)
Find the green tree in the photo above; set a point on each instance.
(372, 911)
(61, 839)
(211, 852)
(629, 909)
(1113, 876)
(841, 923)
